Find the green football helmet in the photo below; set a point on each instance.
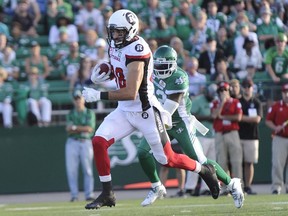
(165, 62)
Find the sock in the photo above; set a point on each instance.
(148, 165)
(101, 157)
(198, 167)
(107, 187)
(221, 174)
(178, 160)
(156, 184)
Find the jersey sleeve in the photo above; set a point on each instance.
(138, 51)
(69, 118)
(238, 107)
(91, 119)
(268, 57)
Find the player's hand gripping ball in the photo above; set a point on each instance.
(102, 73)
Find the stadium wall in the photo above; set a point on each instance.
(32, 160)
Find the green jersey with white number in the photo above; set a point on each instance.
(279, 63)
(178, 82)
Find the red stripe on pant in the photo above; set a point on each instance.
(101, 157)
(178, 160)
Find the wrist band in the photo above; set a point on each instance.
(104, 96)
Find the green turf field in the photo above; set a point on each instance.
(254, 205)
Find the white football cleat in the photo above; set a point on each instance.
(236, 191)
(155, 193)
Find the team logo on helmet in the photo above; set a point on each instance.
(130, 18)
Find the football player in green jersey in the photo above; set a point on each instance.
(171, 89)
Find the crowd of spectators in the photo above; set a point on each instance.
(215, 40)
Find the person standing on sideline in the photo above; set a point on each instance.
(78, 149)
(132, 65)
(172, 86)
(277, 120)
(227, 112)
(249, 132)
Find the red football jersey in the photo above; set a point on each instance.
(278, 114)
(231, 107)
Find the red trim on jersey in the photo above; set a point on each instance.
(278, 115)
(138, 57)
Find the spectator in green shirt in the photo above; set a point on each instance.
(78, 148)
(6, 92)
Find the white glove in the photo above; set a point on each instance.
(98, 78)
(90, 94)
(166, 119)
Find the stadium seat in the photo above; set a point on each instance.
(261, 76)
(59, 92)
(55, 74)
(42, 40)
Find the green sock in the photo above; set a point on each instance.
(221, 174)
(149, 167)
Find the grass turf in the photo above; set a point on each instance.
(254, 205)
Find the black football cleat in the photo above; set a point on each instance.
(102, 200)
(208, 174)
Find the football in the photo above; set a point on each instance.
(106, 67)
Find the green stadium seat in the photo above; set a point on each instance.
(58, 85)
(60, 98)
(55, 75)
(59, 93)
(262, 76)
(42, 40)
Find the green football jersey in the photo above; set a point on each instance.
(37, 91)
(278, 63)
(178, 82)
(6, 91)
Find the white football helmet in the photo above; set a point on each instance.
(122, 20)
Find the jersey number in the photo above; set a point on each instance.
(279, 67)
(120, 79)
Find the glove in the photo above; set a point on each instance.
(166, 119)
(96, 77)
(91, 95)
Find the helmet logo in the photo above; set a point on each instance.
(130, 18)
(139, 47)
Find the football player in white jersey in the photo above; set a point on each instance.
(138, 107)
